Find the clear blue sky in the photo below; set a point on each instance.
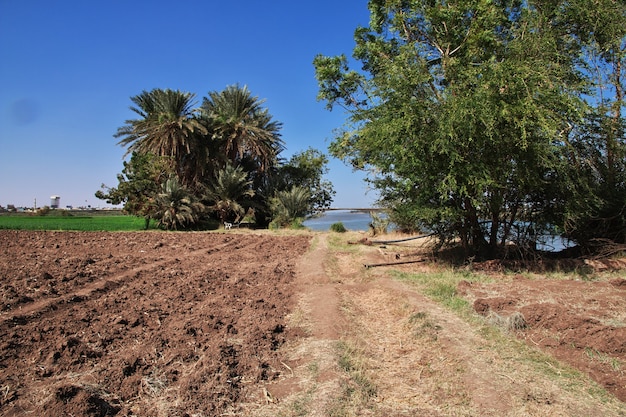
(68, 69)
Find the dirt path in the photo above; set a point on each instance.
(374, 346)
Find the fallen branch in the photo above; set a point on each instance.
(366, 241)
(382, 242)
(394, 263)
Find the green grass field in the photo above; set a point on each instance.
(87, 222)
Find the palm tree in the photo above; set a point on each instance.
(290, 205)
(167, 126)
(176, 207)
(243, 127)
(229, 192)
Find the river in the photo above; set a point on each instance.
(352, 220)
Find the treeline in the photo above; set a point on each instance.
(492, 123)
(190, 167)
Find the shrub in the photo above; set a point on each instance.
(379, 224)
(43, 211)
(289, 206)
(297, 223)
(338, 227)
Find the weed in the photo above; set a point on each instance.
(314, 368)
(602, 357)
(512, 323)
(338, 227)
(417, 317)
(423, 326)
(154, 383)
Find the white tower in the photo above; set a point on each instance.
(55, 200)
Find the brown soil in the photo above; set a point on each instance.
(210, 324)
(581, 323)
(100, 324)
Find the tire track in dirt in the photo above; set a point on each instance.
(98, 288)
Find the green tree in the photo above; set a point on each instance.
(457, 109)
(138, 185)
(597, 207)
(168, 126)
(306, 170)
(176, 207)
(201, 148)
(230, 193)
(243, 128)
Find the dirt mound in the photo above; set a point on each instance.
(101, 324)
(579, 322)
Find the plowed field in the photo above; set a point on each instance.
(140, 323)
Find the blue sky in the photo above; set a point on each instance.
(68, 69)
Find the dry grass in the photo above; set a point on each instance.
(511, 323)
(416, 348)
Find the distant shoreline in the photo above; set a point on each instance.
(356, 209)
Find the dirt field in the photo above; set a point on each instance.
(210, 324)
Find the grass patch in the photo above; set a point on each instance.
(92, 222)
(441, 286)
(603, 358)
(338, 242)
(357, 389)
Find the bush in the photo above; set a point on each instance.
(338, 227)
(290, 207)
(379, 224)
(43, 211)
(297, 224)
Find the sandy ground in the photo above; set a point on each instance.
(210, 324)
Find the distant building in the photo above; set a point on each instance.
(55, 201)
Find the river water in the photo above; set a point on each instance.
(357, 220)
(352, 220)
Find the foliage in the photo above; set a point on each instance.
(243, 129)
(228, 193)
(379, 224)
(290, 205)
(460, 110)
(138, 185)
(168, 126)
(176, 207)
(338, 227)
(597, 207)
(306, 170)
(224, 153)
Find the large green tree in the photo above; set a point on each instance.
(596, 213)
(457, 109)
(168, 126)
(244, 129)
